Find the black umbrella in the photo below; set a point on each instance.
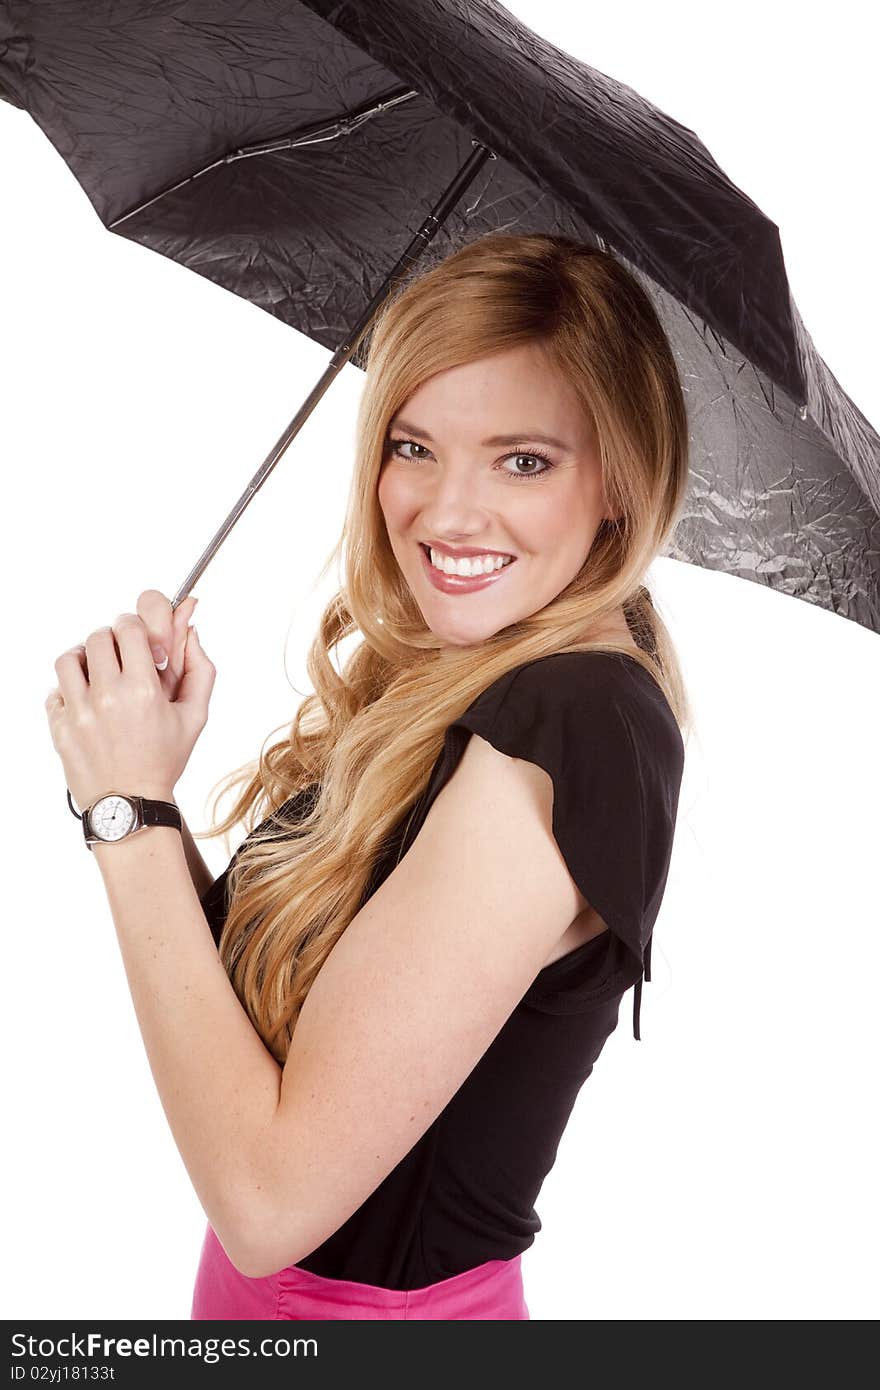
(304, 155)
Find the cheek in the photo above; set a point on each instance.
(559, 530)
(552, 523)
(391, 497)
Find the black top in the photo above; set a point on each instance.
(600, 726)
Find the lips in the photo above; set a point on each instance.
(459, 583)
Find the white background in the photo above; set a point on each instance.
(724, 1167)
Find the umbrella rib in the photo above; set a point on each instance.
(308, 135)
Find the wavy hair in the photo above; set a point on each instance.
(367, 739)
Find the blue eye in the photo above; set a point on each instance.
(395, 445)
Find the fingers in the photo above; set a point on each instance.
(134, 648)
(53, 703)
(102, 663)
(70, 670)
(154, 610)
(198, 678)
(166, 627)
(182, 618)
(127, 645)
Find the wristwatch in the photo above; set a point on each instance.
(116, 816)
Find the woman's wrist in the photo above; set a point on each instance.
(149, 791)
(139, 847)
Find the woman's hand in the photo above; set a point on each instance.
(117, 722)
(167, 632)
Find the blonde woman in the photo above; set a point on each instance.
(369, 1033)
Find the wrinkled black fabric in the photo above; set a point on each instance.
(140, 95)
(465, 1193)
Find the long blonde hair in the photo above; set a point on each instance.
(369, 737)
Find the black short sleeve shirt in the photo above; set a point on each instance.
(602, 729)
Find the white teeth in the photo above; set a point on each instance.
(471, 565)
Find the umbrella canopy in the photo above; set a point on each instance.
(289, 151)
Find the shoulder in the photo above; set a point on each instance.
(566, 676)
(591, 679)
(598, 706)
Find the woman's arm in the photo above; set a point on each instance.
(218, 1083)
(407, 1002)
(201, 875)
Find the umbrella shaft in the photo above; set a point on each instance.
(416, 247)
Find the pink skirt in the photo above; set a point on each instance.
(491, 1290)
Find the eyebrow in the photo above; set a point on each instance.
(495, 438)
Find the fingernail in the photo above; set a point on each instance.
(160, 656)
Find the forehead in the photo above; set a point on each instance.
(498, 399)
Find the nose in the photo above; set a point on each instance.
(452, 508)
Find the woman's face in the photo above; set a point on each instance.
(464, 478)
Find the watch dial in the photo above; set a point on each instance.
(112, 817)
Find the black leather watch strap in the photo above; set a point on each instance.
(161, 813)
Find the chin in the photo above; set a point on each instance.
(462, 635)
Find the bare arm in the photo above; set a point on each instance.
(201, 875)
(218, 1084)
(416, 988)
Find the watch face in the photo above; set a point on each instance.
(112, 817)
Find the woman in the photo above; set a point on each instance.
(426, 941)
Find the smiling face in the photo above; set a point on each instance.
(450, 481)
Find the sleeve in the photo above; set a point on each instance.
(600, 726)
